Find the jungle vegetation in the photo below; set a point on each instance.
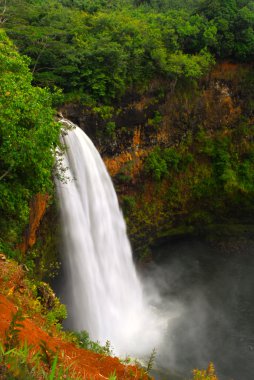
(97, 50)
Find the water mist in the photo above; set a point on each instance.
(103, 292)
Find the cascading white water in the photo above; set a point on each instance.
(103, 292)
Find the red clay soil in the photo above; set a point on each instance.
(84, 364)
(37, 210)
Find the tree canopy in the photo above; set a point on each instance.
(101, 49)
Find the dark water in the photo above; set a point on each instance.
(211, 290)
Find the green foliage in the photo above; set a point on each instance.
(46, 355)
(208, 374)
(44, 255)
(172, 158)
(22, 363)
(105, 112)
(234, 21)
(41, 261)
(151, 361)
(9, 251)
(125, 173)
(128, 203)
(53, 369)
(207, 178)
(156, 120)
(57, 315)
(14, 363)
(232, 170)
(110, 128)
(28, 137)
(97, 50)
(162, 161)
(112, 376)
(156, 165)
(100, 53)
(53, 309)
(82, 339)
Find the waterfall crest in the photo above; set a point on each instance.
(103, 292)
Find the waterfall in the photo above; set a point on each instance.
(103, 292)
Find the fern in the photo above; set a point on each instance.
(12, 333)
(151, 361)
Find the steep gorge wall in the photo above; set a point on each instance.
(170, 115)
(165, 114)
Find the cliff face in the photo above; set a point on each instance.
(166, 112)
(188, 122)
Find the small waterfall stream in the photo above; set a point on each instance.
(103, 292)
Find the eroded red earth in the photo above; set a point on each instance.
(84, 364)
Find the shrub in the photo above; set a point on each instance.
(156, 165)
(208, 374)
(83, 340)
(128, 202)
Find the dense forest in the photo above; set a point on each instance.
(102, 57)
(97, 50)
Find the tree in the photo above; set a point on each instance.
(28, 138)
(99, 54)
(244, 46)
(223, 13)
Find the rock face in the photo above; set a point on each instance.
(169, 115)
(164, 114)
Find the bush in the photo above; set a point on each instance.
(156, 165)
(162, 161)
(208, 374)
(128, 203)
(82, 339)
